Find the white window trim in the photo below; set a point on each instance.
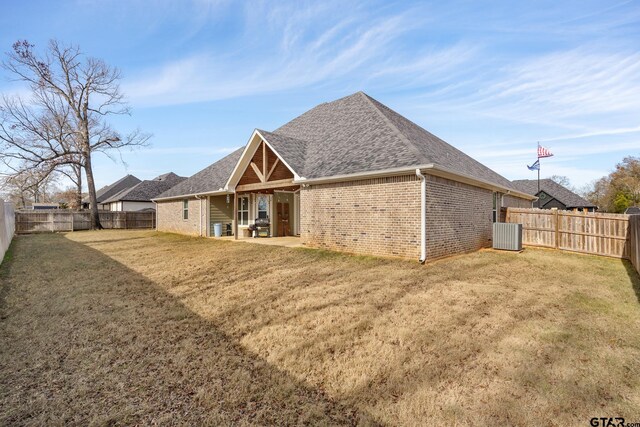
(248, 210)
(267, 210)
(185, 210)
(496, 205)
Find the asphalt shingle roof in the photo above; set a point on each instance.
(350, 135)
(358, 134)
(292, 150)
(552, 188)
(148, 189)
(209, 179)
(108, 191)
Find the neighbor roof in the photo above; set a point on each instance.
(208, 180)
(358, 134)
(555, 190)
(108, 191)
(148, 189)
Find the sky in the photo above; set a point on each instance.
(491, 78)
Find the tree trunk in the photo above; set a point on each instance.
(95, 215)
(78, 171)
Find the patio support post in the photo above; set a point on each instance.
(235, 215)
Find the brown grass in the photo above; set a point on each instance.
(126, 327)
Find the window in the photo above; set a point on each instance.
(263, 207)
(185, 209)
(243, 211)
(497, 204)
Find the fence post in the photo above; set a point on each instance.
(557, 232)
(72, 227)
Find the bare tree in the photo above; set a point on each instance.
(562, 180)
(30, 186)
(65, 122)
(37, 137)
(74, 173)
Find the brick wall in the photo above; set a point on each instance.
(374, 216)
(170, 217)
(459, 217)
(515, 202)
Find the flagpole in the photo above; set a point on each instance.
(538, 152)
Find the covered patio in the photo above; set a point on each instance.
(287, 241)
(264, 193)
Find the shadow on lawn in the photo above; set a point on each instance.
(634, 276)
(105, 345)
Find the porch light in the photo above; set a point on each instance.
(228, 199)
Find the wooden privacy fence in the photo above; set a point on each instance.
(52, 221)
(588, 232)
(634, 241)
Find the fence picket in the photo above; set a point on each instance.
(52, 221)
(586, 232)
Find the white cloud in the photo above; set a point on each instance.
(301, 51)
(191, 150)
(594, 133)
(565, 85)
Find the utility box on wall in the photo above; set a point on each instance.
(507, 236)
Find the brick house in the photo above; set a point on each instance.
(138, 197)
(349, 175)
(124, 183)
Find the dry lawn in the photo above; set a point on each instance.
(127, 327)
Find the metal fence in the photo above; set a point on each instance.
(56, 220)
(7, 226)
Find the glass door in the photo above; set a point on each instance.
(262, 203)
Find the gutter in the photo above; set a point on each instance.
(423, 216)
(430, 168)
(156, 214)
(220, 192)
(200, 216)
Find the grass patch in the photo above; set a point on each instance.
(8, 255)
(128, 327)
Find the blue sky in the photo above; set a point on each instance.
(490, 78)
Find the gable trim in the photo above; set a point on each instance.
(245, 160)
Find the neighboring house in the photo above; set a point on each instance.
(108, 191)
(139, 196)
(44, 206)
(349, 175)
(553, 195)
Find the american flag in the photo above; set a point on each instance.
(543, 152)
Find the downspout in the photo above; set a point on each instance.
(156, 214)
(200, 226)
(423, 216)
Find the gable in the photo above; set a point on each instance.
(108, 191)
(260, 165)
(553, 190)
(552, 203)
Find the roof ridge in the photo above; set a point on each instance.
(115, 197)
(389, 123)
